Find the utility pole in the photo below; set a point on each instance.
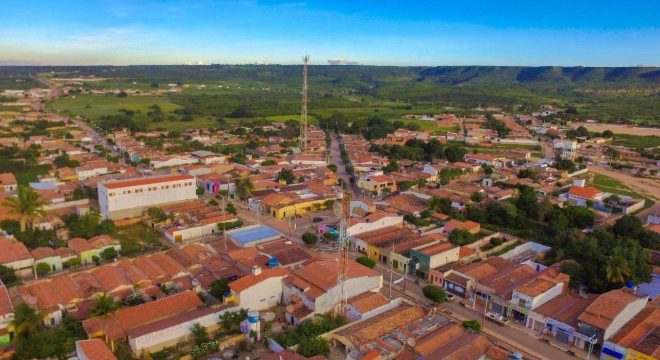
(302, 141)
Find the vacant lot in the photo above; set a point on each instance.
(94, 106)
(138, 238)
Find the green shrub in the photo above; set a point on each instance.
(366, 261)
(434, 293)
(310, 238)
(473, 325)
(43, 269)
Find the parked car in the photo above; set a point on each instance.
(449, 297)
(317, 219)
(497, 318)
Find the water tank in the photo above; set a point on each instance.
(272, 262)
(253, 317)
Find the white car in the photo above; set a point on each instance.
(449, 297)
(497, 318)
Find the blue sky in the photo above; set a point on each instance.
(448, 32)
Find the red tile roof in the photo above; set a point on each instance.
(251, 280)
(11, 251)
(6, 306)
(7, 179)
(118, 184)
(607, 307)
(368, 301)
(584, 192)
(95, 349)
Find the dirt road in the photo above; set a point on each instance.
(645, 186)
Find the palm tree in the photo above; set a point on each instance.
(104, 305)
(27, 320)
(28, 205)
(244, 188)
(617, 269)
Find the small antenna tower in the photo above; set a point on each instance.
(342, 211)
(303, 113)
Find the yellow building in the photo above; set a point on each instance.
(377, 184)
(299, 207)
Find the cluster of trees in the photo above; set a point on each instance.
(497, 125)
(371, 128)
(89, 225)
(418, 150)
(307, 335)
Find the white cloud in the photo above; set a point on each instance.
(341, 62)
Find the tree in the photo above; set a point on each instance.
(286, 175)
(219, 288)
(104, 304)
(109, 254)
(230, 208)
(310, 238)
(313, 346)
(200, 191)
(244, 188)
(461, 237)
(7, 275)
(268, 162)
(199, 333)
(27, 205)
(404, 185)
(434, 293)
(473, 325)
(42, 269)
(629, 226)
(454, 153)
(366, 261)
(391, 167)
(332, 168)
(477, 196)
(27, 320)
(617, 269)
(608, 134)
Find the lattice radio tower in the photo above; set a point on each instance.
(302, 140)
(342, 211)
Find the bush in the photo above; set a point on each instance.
(43, 269)
(461, 237)
(73, 263)
(366, 261)
(109, 254)
(496, 241)
(329, 236)
(7, 275)
(473, 325)
(434, 293)
(313, 346)
(310, 238)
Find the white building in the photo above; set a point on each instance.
(566, 150)
(128, 198)
(374, 221)
(207, 157)
(260, 290)
(8, 182)
(170, 161)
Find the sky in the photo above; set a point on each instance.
(430, 33)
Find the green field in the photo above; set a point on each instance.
(94, 106)
(138, 238)
(636, 142)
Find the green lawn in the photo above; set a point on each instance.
(94, 106)
(608, 184)
(138, 238)
(635, 142)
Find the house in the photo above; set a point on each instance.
(127, 198)
(93, 349)
(154, 325)
(48, 256)
(609, 313)
(638, 339)
(193, 221)
(6, 317)
(547, 285)
(88, 250)
(565, 150)
(374, 221)
(8, 182)
(377, 184)
(430, 257)
(364, 306)
(208, 157)
(580, 195)
(313, 288)
(480, 159)
(558, 318)
(469, 226)
(260, 290)
(14, 255)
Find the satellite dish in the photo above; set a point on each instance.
(338, 209)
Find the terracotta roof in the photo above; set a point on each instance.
(366, 331)
(11, 251)
(251, 280)
(584, 192)
(546, 280)
(101, 241)
(437, 248)
(95, 349)
(607, 307)
(637, 332)
(322, 271)
(368, 301)
(43, 252)
(79, 245)
(381, 178)
(7, 179)
(115, 325)
(6, 306)
(118, 184)
(289, 355)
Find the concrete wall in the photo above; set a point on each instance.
(262, 296)
(352, 287)
(112, 206)
(371, 226)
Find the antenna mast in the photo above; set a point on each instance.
(303, 113)
(343, 243)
